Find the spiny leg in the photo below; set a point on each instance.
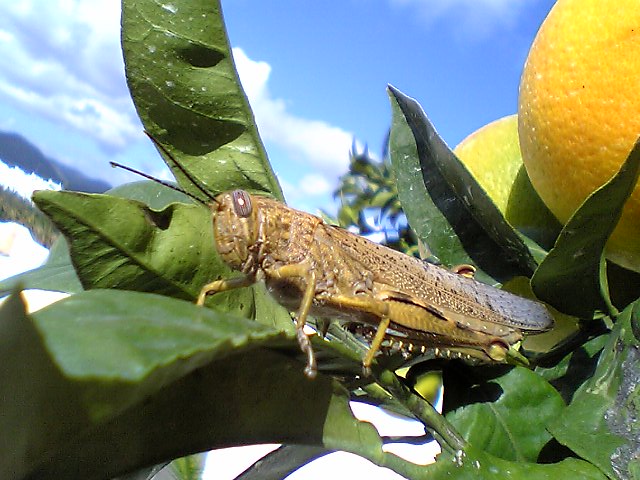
(304, 271)
(223, 285)
(375, 345)
(375, 307)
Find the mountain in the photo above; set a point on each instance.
(15, 150)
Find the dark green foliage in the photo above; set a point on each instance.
(369, 203)
(576, 262)
(456, 219)
(14, 208)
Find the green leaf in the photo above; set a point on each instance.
(634, 469)
(478, 465)
(128, 337)
(188, 468)
(513, 426)
(120, 243)
(573, 276)
(348, 216)
(30, 394)
(153, 194)
(635, 321)
(526, 209)
(157, 196)
(382, 198)
(344, 432)
(57, 274)
(121, 369)
(445, 206)
(186, 90)
(568, 373)
(606, 404)
(269, 312)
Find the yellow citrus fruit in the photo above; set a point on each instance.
(492, 155)
(579, 109)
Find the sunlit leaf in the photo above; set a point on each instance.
(140, 379)
(603, 406)
(187, 92)
(445, 206)
(513, 425)
(474, 464)
(572, 278)
(120, 243)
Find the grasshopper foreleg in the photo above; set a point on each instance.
(223, 285)
(304, 271)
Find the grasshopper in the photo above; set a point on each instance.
(328, 272)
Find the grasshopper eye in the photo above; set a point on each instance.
(242, 203)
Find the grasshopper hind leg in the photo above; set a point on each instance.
(375, 345)
(376, 307)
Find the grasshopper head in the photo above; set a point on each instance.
(235, 228)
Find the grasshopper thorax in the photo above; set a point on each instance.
(235, 227)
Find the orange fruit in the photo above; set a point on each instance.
(579, 110)
(492, 156)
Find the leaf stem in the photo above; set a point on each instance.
(435, 423)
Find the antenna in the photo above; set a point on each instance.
(161, 182)
(190, 177)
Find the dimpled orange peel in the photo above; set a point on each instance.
(579, 110)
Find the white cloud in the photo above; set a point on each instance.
(316, 184)
(61, 59)
(22, 183)
(474, 17)
(313, 142)
(253, 74)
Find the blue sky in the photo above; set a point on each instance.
(315, 73)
